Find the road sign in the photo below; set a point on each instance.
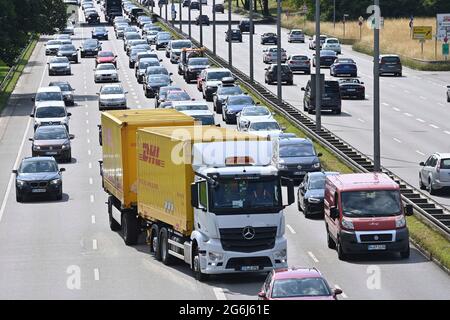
(445, 49)
(422, 33)
(443, 26)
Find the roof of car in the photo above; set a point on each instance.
(52, 103)
(49, 89)
(217, 69)
(443, 155)
(295, 140)
(189, 102)
(296, 272)
(38, 158)
(323, 173)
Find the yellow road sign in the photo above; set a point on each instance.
(422, 33)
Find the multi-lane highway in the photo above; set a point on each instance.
(45, 246)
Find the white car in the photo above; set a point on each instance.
(312, 41)
(270, 55)
(51, 113)
(264, 128)
(332, 44)
(51, 47)
(47, 94)
(112, 96)
(106, 72)
(196, 109)
(59, 65)
(252, 114)
(213, 78)
(296, 35)
(173, 49)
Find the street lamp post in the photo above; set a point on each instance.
(318, 75)
(200, 21)
(180, 8)
(279, 89)
(189, 21)
(214, 27)
(376, 89)
(251, 40)
(230, 53)
(334, 14)
(167, 4)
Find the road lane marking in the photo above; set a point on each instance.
(397, 140)
(434, 126)
(396, 109)
(447, 132)
(94, 244)
(220, 295)
(440, 104)
(343, 293)
(313, 257)
(136, 101)
(407, 114)
(90, 165)
(93, 219)
(89, 152)
(87, 131)
(420, 120)
(91, 198)
(385, 104)
(421, 153)
(87, 113)
(361, 120)
(406, 91)
(291, 229)
(423, 98)
(91, 181)
(87, 121)
(96, 274)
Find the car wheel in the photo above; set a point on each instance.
(405, 254)
(199, 276)
(59, 195)
(341, 254)
(166, 258)
(69, 157)
(129, 227)
(19, 197)
(299, 206)
(154, 243)
(431, 190)
(130, 65)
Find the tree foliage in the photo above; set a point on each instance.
(20, 18)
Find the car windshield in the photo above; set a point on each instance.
(133, 36)
(90, 44)
(300, 58)
(38, 166)
(198, 62)
(296, 150)
(53, 43)
(218, 75)
(371, 203)
(181, 44)
(191, 107)
(178, 96)
(252, 195)
(48, 96)
(59, 60)
(206, 120)
(317, 182)
(148, 63)
(152, 32)
(296, 33)
(112, 90)
(164, 36)
(157, 70)
(232, 90)
(255, 112)
(62, 86)
(50, 133)
(264, 126)
(100, 29)
(306, 287)
(332, 41)
(159, 78)
(240, 100)
(50, 112)
(67, 47)
(105, 66)
(103, 54)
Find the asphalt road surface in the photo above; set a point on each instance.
(65, 249)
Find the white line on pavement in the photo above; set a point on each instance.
(87, 131)
(220, 295)
(447, 132)
(361, 120)
(407, 114)
(423, 98)
(421, 153)
(406, 91)
(87, 121)
(96, 274)
(88, 140)
(93, 219)
(343, 293)
(434, 126)
(397, 140)
(91, 198)
(89, 152)
(385, 104)
(90, 165)
(94, 244)
(91, 181)
(87, 113)
(291, 229)
(396, 109)
(420, 120)
(313, 257)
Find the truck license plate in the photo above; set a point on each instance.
(38, 190)
(249, 268)
(377, 247)
(51, 153)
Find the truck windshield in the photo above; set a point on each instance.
(371, 203)
(246, 196)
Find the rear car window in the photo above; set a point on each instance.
(390, 59)
(331, 86)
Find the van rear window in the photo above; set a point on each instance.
(445, 164)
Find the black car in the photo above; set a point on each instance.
(100, 33)
(153, 82)
(286, 74)
(236, 35)
(93, 18)
(219, 7)
(327, 58)
(69, 51)
(269, 37)
(186, 3)
(352, 88)
(225, 90)
(311, 193)
(331, 98)
(38, 176)
(244, 26)
(194, 5)
(52, 141)
(194, 67)
(234, 104)
(297, 157)
(90, 48)
(390, 64)
(202, 19)
(162, 93)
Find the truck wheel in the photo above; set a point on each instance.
(129, 227)
(431, 190)
(113, 224)
(166, 258)
(405, 254)
(154, 244)
(341, 255)
(330, 241)
(196, 268)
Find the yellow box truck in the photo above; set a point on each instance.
(210, 197)
(118, 166)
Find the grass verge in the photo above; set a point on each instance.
(3, 70)
(424, 236)
(5, 94)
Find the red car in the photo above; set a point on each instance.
(200, 79)
(297, 284)
(106, 57)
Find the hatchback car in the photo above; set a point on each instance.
(90, 48)
(271, 75)
(162, 39)
(202, 19)
(69, 51)
(253, 113)
(270, 55)
(296, 35)
(352, 88)
(66, 91)
(233, 105)
(390, 64)
(100, 33)
(311, 193)
(299, 62)
(297, 284)
(112, 97)
(236, 35)
(52, 141)
(59, 65)
(344, 66)
(142, 66)
(106, 72)
(332, 44)
(435, 172)
(269, 37)
(327, 58)
(331, 97)
(38, 176)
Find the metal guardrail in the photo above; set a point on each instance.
(433, 213)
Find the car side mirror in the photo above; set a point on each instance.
(126, 92)
(258, 103)
(62, 169)
(71, 136)
(69, 114)
(32, 115)
(262, 294)
(194, 195)
(160, 60)
(409, 210)
(170, 74)
(283, 128)
(15, 171)
(98, 93)
(334, 213)
(337, 291)
(33, 99)
(422, 164)
(362, 82)
(30, 139)
(303, 89)
(319, 154)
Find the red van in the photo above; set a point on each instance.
(364, 213)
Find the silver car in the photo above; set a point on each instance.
(106, 72)
(59, 65)
(112, 96)
(435, 172)
(296, 35)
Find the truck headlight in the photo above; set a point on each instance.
(313, 200)
(215, 256)
(347, 224)
(400, 221)
(20, 183)
(280, 255)
(55, 181)
(316, 165)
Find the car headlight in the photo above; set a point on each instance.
(74, 54)
(66, 146)
(347, 224)
(281, 254)
(316, 165)
(36, 148)
(313, 200)
(55, 181)
(282, 166)
(400, 221)
(20, 183)
(215, 256)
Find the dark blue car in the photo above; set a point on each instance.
(100, 33)
(311, 193)
(233, 105)
(342, 67)
(38, 176)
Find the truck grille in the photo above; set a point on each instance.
(376, 237)
(232, 239)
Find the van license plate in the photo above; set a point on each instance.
(377, 247)
(51, 153)
(249, 268)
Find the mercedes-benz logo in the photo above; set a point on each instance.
(248, 233)
(299, 167)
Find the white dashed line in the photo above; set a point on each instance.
(90, 165)
(91, 181)
(94, 244)
(96, 274)
(423, 98)
(397, 140)
(396, 109)
(89, 152)
(291, 229)
(313, 257)
(407, 114)
(93, 219)
(361, 120)
(91, 198)
(87, 121)
(385, 104)
(406, 91)
(421, 153)
(87, 131)
(434, 126)
(440, 104)
(420, 120)
(220, 295)
(87, 113)
(88, 140)
(447, 132)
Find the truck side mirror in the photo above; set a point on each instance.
(290, 191)
(409, 210)
(334, 213)
(194, 195)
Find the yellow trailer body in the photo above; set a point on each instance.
(165, 173)
(119, 146)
